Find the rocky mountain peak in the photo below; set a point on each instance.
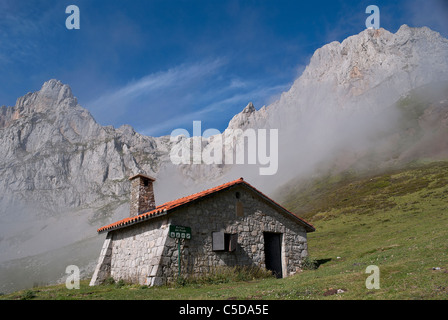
(369, 70)
(53, 95)
(51, 99)
(56, 90)
(249, 108)
(373, 53)
(242, 119)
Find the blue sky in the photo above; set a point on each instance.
(159, 65)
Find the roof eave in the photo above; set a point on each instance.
(138, 219)
(146, 216)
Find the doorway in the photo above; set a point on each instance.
(273, 253)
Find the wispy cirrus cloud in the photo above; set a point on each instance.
(150, 89)
(218, 108)
(20, 28)
(161, 102)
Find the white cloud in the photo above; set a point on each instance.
(123, 97)
(160, 102)
(215, 109)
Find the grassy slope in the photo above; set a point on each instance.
(397, 221)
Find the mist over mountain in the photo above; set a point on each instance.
(343, 104)
(375, 100)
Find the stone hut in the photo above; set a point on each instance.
(233, 224)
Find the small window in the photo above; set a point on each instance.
(239, 209)
(225, 242)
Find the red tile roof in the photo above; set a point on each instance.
(166, 207)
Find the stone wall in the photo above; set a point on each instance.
(137, 252)
(220, 213)
(102, 270)
(143, 253)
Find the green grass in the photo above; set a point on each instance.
(397, 221)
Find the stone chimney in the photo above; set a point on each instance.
(142, 194)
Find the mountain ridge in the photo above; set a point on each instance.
(354, 78)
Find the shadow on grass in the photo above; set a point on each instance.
(321, 261)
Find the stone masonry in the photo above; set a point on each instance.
(144, 253)
(142, 194)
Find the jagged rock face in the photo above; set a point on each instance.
(56, 154)
(334, 112)
(248, 118)
(369, 70)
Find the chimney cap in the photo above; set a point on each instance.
(141, 175)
